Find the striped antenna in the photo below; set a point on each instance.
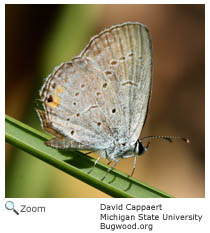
(168, 138)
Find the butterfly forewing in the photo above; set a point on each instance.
(124, 54)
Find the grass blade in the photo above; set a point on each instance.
(77, 164)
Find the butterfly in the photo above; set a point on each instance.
(99, 100)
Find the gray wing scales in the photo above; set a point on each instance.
(59, 142)
(102, 96)
(123, 53)
(80, 105)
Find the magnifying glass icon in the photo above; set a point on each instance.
(9, 205)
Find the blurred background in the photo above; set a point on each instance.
(40, 37)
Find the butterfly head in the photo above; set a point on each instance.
(123, 150)
(139, 148)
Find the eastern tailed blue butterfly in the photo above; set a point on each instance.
(99, 100)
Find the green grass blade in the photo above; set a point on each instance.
(77, 164)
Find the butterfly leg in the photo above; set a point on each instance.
(108, 163)
(94, 165)
(110, 168)
(90, 152)
(134, 165)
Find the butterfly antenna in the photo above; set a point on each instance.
(168, 138)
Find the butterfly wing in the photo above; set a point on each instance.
(80, 106)
(101, 96)
(124, 54)
(60, 141)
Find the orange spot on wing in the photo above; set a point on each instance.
(59, 90)
(55, 103)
